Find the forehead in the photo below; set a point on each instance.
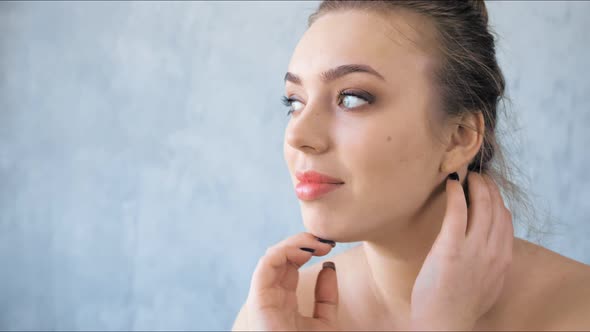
(395, 43)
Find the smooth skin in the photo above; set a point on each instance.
(413, 269)
(470, 264)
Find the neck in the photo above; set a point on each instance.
(395, 257)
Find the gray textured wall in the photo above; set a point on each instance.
(141, 163)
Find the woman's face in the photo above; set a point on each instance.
(384, 148)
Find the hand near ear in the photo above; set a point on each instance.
(464, 272)
(272, 301)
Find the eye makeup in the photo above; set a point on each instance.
(369, 98)
(361, 94)
(288, 101)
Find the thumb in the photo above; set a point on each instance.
(455, 220)
(326, 294)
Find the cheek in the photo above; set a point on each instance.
(389, 151)
(390, 164)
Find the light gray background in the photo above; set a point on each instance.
(141, 163)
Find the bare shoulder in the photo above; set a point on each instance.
(572, 303)
(562, 293)
(569, 295)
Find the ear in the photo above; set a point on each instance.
(464, 138)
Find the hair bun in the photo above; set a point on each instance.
(479, 6)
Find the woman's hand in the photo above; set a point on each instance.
(272, 301)
(464, 271)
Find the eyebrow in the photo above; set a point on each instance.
(337, 72)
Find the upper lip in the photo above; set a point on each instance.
(316, 177)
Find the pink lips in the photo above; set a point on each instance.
(312, 185)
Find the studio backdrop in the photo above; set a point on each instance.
(141, 164)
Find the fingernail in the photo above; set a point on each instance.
(330, 242)
(454, 176)
(329, 265)
(308, 249)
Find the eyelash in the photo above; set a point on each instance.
(368, 98)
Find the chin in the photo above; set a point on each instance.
(331, 228)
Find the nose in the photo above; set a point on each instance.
(308, 130)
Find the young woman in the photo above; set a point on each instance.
(391, 142)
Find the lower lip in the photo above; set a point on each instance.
(310, 191)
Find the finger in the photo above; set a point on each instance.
(282, 260)
(480, 210)
(278, 264)
(307, 240)
(455, 219)
(498, 223)
(326, 294)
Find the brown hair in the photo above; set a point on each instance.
(468, 77)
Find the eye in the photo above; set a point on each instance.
(294, 104)
(350, 99)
